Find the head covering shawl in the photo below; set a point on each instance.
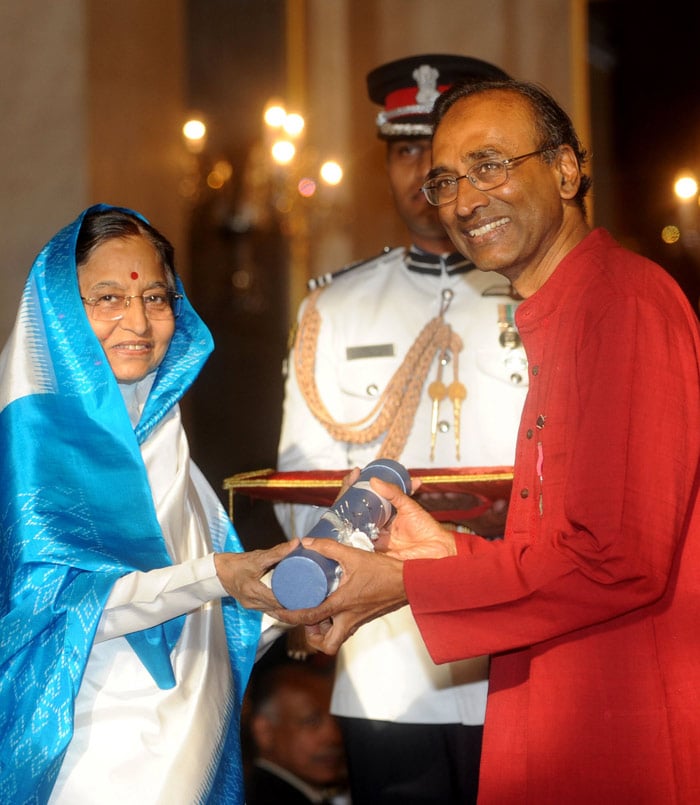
(76, 513)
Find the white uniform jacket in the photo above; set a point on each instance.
(370, 317)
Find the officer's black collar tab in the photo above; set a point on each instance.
(428, 263)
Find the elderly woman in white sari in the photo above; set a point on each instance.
(127, 629)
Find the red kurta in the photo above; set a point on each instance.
(590, 605)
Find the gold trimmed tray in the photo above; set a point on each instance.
(321, 487)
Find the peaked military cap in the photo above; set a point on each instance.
(407, 89)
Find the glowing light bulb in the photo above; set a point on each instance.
(194, 131)
(293, 124)
(283, 152)
(670, 234)
(686, 187)
(306, 187)
(275, 116)
(331, 172)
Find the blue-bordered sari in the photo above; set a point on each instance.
(77, 513)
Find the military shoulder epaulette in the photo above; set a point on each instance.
(327, 279)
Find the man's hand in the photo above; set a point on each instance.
(371, 585)
(413, 533)
(241, 574)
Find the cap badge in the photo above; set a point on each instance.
(426, 78)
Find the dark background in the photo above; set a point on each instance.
(650, 54)
(235, 408)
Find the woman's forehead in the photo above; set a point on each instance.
(123, 259)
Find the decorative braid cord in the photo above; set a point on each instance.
(395, 409)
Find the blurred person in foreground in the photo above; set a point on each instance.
(298, 753)
(125, 636)
(420, 348)
(589, 605)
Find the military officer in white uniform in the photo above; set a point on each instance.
(411, 355)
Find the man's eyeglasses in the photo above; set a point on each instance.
(157, 304)
(484, 175)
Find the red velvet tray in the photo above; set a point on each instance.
(321, 487)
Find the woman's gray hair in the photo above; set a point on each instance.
(100, 226)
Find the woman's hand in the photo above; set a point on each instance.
(242, 575)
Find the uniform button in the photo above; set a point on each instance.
(443, 426)
(529, 433)
(524, 493)
(372, 390)
(516, 365)
(535, 370)
(445, 358)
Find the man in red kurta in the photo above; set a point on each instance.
(598, 592)
(590, 605)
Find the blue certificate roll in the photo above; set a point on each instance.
(304, 578)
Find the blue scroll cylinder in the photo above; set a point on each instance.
(304, 577)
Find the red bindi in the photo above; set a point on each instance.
(134, 275)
